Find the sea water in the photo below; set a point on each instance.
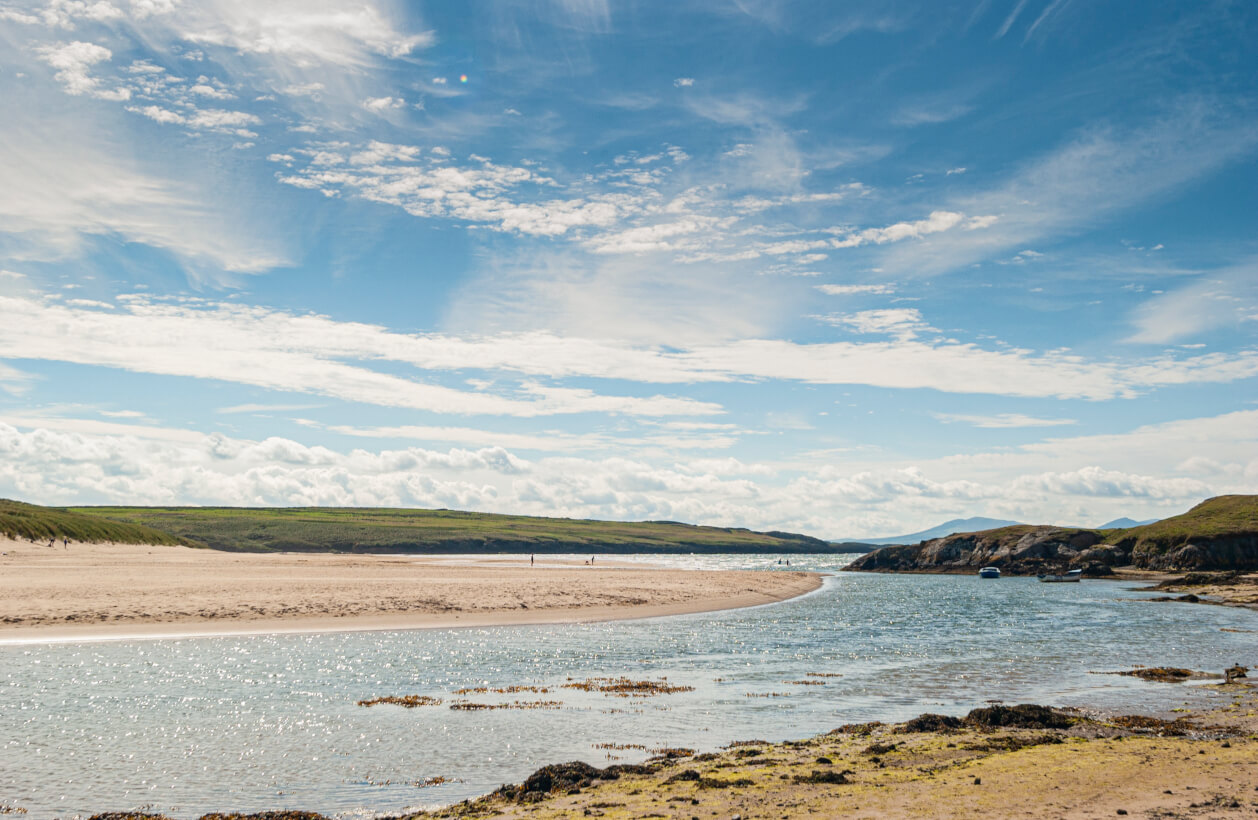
(188, 726)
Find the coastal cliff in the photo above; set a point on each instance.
(1218, 534)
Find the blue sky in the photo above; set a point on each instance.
(840, 268)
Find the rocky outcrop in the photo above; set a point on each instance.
(1229, 552)
(1021, 550)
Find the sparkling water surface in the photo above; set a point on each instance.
(192, 725)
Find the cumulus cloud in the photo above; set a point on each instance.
(67, 460)
(73, 62)
(902, 322)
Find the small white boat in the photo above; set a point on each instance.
(989, 572)
(1056, 578)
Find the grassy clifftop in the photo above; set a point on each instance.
(325, 529)
(18, 520)
(1223, 518)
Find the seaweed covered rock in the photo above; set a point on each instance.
(929, 722)
(1022, 716)
(564, 777)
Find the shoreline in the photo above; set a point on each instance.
(95, 592)
(1002, 761)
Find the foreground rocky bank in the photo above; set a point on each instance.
(999, 761)
(1218, 534)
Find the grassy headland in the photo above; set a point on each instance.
(32, 522)
(328, 529)
(1218, 534)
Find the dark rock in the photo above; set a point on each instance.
(682, 777)
(929, 723)
(614, 772)
(1201, 579)
(556, 777)
(1022, 716)
(821, 777)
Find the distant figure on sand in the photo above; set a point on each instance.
(530, 560)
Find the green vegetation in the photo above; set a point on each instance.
(18, 520)
(1225, 516)
(326, 529)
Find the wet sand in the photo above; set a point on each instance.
(102, 591)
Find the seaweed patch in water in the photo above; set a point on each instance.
(502, 690)
(620, 747)
(805, 682)
(627, 688)
(822, 675)
(768, 694)
(409, 701)
(469, 706)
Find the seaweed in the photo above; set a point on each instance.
(469, 706)
(409, 701)
(627, 688)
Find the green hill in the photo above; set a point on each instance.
(29, 521)
(1220, 533)
(326, 529)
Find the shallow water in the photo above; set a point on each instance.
(187, 726)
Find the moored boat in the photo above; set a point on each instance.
(1054, 577)
(989, 572)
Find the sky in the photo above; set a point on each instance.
(846, 269)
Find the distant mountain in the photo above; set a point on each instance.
(947, 528)
(1125, 524)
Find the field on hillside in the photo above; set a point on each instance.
(320, 529)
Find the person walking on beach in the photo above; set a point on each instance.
(530, 560)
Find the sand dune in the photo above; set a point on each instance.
(121, 590)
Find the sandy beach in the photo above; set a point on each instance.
(91, 591)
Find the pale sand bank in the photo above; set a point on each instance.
(98, 591)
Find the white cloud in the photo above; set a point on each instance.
(72, 62)
(1080, 185)
(904, 323)
(850, 290)
(309, 353)
(378, 104)
(248, 346)
(937, 222)
(684, 82)
(65, 182)
(64, 13)
(305, 32)
(266, 408)
(1219, 300)
(1002, 420)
